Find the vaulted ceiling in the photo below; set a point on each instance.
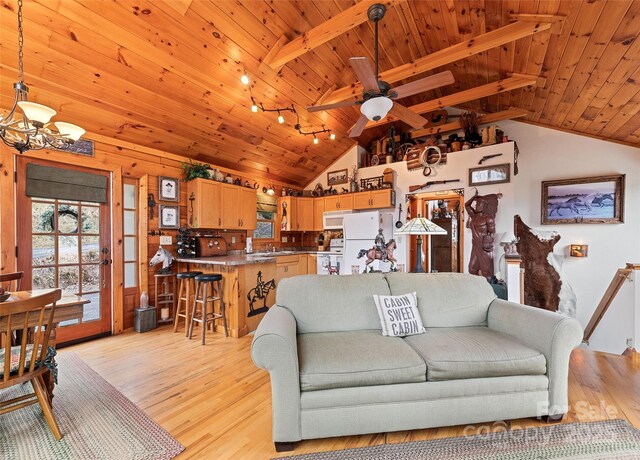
(166, 74)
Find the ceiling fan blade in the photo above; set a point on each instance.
(335, 105)
(424, 84)
(363, 71)
(408, 116)
(359, 126)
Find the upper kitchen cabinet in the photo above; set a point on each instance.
(207, 203)
(342, 202)
(304, 221)
(318, 210)
(374, 199)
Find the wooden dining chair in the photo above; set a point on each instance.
(9, 277)
(26, 362)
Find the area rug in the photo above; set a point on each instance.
(607, 440)
(96, 420)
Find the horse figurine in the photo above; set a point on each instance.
(260, 292)
(163, 256)
(386, 255)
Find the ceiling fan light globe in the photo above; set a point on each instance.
(376, 108)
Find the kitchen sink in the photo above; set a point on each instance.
(270, 253)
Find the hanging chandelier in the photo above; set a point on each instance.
(32, 130)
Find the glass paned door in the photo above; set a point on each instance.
(65, 244)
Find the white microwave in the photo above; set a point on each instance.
(334, 220)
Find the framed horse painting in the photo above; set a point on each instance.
(587, 200)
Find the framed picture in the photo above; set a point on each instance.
(337, 177)
(80, 147)
(588, 200)
(168, 189)
(169, 216)
(485, 175)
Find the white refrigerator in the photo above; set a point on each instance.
(360, 231)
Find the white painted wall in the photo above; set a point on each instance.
(547, 154)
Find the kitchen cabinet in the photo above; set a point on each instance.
(207, 203)
(342, 202)
(304, 214)
(374, 199)
(286, 267)
(312, 264)
(318, 210)
(288, 222)
(238, 207)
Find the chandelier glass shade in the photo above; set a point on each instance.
(29, 128)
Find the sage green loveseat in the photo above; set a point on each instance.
(481, 359)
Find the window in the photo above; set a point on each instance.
(265, 225)
(130, 235)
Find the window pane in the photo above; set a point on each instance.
(42, 217)
(43, 250)
(130, 248)
(90, 219)
(90, 278)
(68, 279)
(67, 249)
(91, 310)
(129, 196)
(263, 230)
(43, 278)
(90, 249)
(129, 222)
(130, 275)
(67, 218)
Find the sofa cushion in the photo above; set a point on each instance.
(356, 358)
(474, 352)
(332, 303)
(446, 299)
(399, 315)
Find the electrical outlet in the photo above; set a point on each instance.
(233, 240)
(166, 240)
(629, 342)
(293, 239)
(284, 239)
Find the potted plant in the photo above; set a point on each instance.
(193, 170)
(353, 179)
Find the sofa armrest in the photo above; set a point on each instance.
(552, 334)
(275, 349)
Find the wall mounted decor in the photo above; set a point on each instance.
(83, 147)
(340, 176)
(545, 284)
(588, 200)
(485, 175)
(168, 189)
(579, 250)
(169, 216)
(260, 292)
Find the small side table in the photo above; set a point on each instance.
(166, 297)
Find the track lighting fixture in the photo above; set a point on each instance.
(315, 140)
(244, 78)
(280, 118)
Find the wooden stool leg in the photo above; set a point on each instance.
(223, 310)
(204, 311)
(193, 310)
(177, 313)
(187, 316)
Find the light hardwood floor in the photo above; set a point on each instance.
(215, 402)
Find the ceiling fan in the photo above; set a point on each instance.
(378, 97)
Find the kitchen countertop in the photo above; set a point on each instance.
(246, 259)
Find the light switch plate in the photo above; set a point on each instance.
(233, 240)
(166, 239)
(284, 239)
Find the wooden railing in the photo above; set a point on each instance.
(621, 275)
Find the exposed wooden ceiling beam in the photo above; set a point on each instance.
(461, 97)
(321, 34)
(484, 42)
(486, 118)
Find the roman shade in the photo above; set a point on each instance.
(65, 184)
(267, 203)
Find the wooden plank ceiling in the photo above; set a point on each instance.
(165, 74)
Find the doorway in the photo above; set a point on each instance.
(66, 244)
(440, 253)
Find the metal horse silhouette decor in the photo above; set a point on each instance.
(260, 292)
(162, 256)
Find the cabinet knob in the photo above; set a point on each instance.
(219, 220)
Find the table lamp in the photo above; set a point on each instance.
(420, 226)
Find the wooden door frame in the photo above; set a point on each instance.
(24, 227)
(8, 259)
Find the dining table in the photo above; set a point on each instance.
(68, 308)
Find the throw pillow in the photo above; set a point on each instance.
(399, 315)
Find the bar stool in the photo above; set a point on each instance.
(188, 287)
(201, 297)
